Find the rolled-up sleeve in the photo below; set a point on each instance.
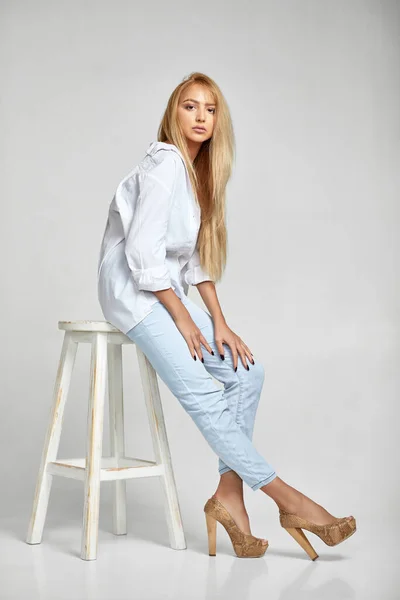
(145, 240)
(194, 273)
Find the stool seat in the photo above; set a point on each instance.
(106, 361)
(103, 326)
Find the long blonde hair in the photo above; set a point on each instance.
(209, 173)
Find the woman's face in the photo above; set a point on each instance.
(197, 109)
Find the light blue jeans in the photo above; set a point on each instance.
(225, 416)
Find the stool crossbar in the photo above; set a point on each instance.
(106, 360)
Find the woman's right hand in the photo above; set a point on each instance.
(192, 335)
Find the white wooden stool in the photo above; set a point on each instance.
(106, 355)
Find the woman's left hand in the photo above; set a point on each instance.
(224, 335)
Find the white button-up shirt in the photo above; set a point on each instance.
(150, 238)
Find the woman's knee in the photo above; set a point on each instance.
(257, 374)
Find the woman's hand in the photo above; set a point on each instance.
(192, 335)
(224, 335)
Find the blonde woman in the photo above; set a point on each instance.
(165, 231)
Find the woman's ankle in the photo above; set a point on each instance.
(285, 496)
(230, 484)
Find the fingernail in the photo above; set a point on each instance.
(194, 358)
(222, 356)
(235, 368)
(248, 368)
(212, 352)
(252, 362)
(202, 360)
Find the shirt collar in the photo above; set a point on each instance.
(155, 146)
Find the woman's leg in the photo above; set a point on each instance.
(242, 392)
(242, 389)
(189, 380)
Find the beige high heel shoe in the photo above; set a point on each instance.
(332, 534)
(245, 545)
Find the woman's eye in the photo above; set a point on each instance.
(191, 106)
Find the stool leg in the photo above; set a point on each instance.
(117, 438)
(52, 440)
(161, 450)
(94, 443)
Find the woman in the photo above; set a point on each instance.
(166, 231)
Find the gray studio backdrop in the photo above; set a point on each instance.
(313, 221)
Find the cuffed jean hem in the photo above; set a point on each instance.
(224, 470)
(263, 482)
(257, 485)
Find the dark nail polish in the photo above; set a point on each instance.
(194, 357)
(202, 360)
(222, 356)
(248, 368)
(253, 362)
(212, 352)
(235, 369)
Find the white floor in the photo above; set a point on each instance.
(142, 565)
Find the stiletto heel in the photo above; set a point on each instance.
(212, 534)
(331, 534)
(244, 544)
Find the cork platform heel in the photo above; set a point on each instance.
(332, 534)
(245, 545)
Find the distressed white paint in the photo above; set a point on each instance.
(94, 442)
(127, 468)
(161, 450)
(117, 436)
(52, 440)
(106, 359)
